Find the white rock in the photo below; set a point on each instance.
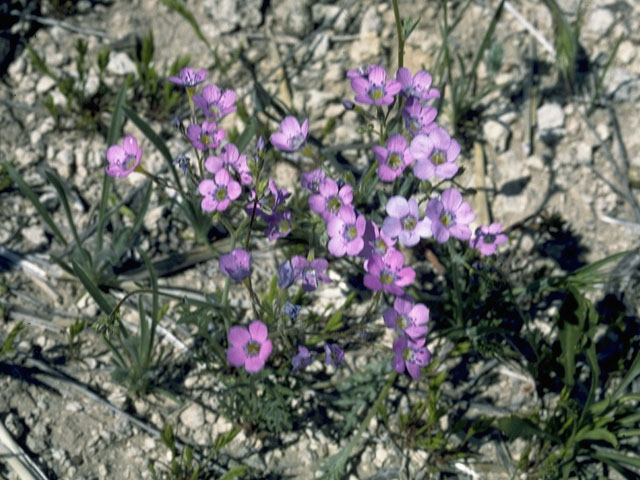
(120, 64)
(371, 22)
(64, 163)
(600, 21)
(91, 86)
(497, 135)
(583, 152)
(192, 417)
(45, 84)
(35, 236)
(365, 50)
(550, 121)
(627, 52)
(16, 69)
(321, 47)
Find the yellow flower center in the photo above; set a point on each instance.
(394, 161)
(253, 349)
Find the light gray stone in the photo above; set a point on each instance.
(497, 134)
(294, 17)
(371, 22)
(600, 21)
(120, 64)
(44, 85)
(35, 235)
(64, 163)
(192, 417)
(550, 121)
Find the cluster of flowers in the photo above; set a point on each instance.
(423, 145)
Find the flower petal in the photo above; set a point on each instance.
(258, 331)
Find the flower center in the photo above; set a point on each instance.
(334, 204)
(409, 222)
(129, 162)
(205, 139)
(447, 218)
(253, 349)
(407, 354)
(415, 124)
(350, 232)
(221, 193)
(401, 321)
(284, 226)
(394, 161)
(386, 278)
(295, 141)
(381, 247)
(376, 93)
(214, 109)
(310, 276)
(489, 238)
(438, 157)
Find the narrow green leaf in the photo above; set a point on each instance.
(486, 39)
(629, 432)
(235, 472)
(617, 457)
(62, 195)
(105, 303)
(27, 192)
(188, 16)
(632, 373)
(598, 434)
(249, 132)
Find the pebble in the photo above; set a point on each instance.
(120, 64)
(44, 85)
(497, 134)
(35, 236)
(64, 163)
(192, 417)
(600, 21)
(550, 121)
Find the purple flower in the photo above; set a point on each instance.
(270, 201)
(230, 159)
(403, 221)
(388, 273)
(278, 225)
(205, 136)
(418, 118)
(328, 201)
(374, 89)
(303, 359)
(419, 86)
(409, 318)
(311, 180)
(260, 144)
(290, 310)
(487, 238)
(435, 155)
(236, 264)
(183, 163)
(450, 216)
(219, 192)
(123, 160)
(375, 241)
(346, 231)
(334, 355)
(249, 347)
(188, 78)
(214, 103)
(310, 273)
(286, 275)
(291, 136)
(392, 159)
(411, 354)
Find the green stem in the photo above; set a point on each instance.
(396, 14)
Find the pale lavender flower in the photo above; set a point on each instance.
(249, 347)
(311, 180)
(311, 273)
(219, 192)
(329, 199)
(409, 318)
(291, 136)
(487, 238)
(419, 86)
(286, 275)
(303, 359)
(404, 222)
(373, 87)
(375, 241)
(435, 154)
(450, 216)
(418, 118)
(388, 273)
(206, 136)
(236, 264)
(278, 225)
(345, 231)
(334, 355)
(411, 355)
(188, 78)
(214, 103)
(392, 158)
(230, 159)
(123, 159)
(271, 199)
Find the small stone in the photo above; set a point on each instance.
(73, 407)
(550, 122)
(626, 52)
(294, 17)
(45, 84)
(120, 64)
(64, 163)
(91, 86)
(14, 425)
(583, 152)
(497, 135)
(35, 236)
(192, 417)
(600, 21)
(16, 69)
(365, 50)
(371, 22)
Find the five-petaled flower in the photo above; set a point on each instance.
(392, 158)
(372, 86)
(206, 136)
(346, 230)
(219, 192)
(418, 86)
(450, 216)
(311, 273)
(410, 354)
(388, 272)
(189, 78)
(249, 347)
(230, 159)
(404, 223)
(123, 159)
(236, 264)
(418, 118)
(329, 199)
(410, 319)
(215, 103)
(487, 238)
(291, 136)
(435, 154)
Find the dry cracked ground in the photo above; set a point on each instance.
(68, 416)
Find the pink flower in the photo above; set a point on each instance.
(419, 86)
(236, 264)
(205, 136)
(123, 160)
(214, 103)
(291, 136)
(188, 78)
(249, 347)
(411, 355)
(393, 158)
(346, 231)
(409, 318)
(372, 87)
(435, 154)
(328, 201)
(219, 192)
(418, 118)
(375, 241)
(487, 238)
(404, 223)
(278, 225)
(310, 273)
(230, 159)
(450, 216)
(311, 180)
(388, 273)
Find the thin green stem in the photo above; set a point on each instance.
(396, 14)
